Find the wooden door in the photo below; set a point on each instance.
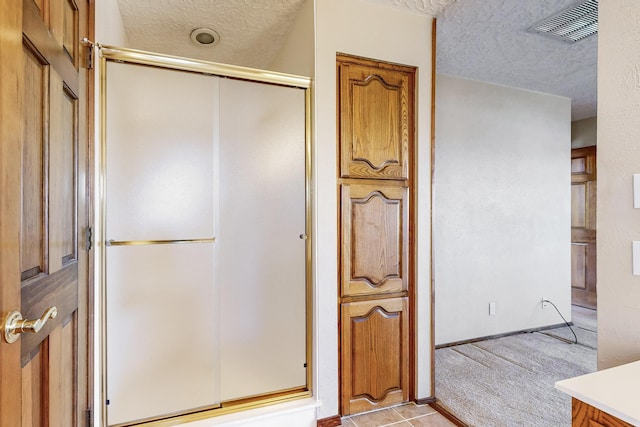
(583, 227)
(375, 121)
(375, 234)
(375, 354)
(376, 118)
(44, 376)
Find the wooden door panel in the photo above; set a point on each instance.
(375, 119)
(578, 205)
(62, 186)
(583, 226)
(375, 360)
(578, 265)
(34, 167)
(374, 239)
(43, 379)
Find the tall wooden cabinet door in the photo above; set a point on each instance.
(44, 157)
(375, 359)
(583, 227)
(375, 243)
(375, 120)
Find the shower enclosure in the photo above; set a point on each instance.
(206, 237)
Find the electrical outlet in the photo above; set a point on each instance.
(492, 309)
(544, 303)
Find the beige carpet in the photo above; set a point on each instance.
(509, 381)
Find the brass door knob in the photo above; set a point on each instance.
(14, 324)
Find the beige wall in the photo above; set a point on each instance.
(584, 132)
(501, 228)
(618, 159)
(297, 53)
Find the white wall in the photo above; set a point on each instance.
(502, 208)
(298, 52)
(584, 132)
(618, 159)
(382, 32)
(109, 27)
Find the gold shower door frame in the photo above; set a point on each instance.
(131, 56)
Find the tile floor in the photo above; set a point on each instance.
(400, 416)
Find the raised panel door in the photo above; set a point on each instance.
(374, 239)
(375, 359)
(583, 227)
(375, 119)
(44, 157)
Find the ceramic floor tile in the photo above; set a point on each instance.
(411, 410)
(433, 420)
(377, 418)
(346, 422)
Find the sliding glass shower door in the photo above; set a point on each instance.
(205, 228)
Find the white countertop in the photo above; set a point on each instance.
(615, 391)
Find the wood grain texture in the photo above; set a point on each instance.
(32, 393)
(375, 359)
(37, 32)
(329, 421)
(34, 166)
(375, 239)
(60, 290)
(11, 109)
(583, 227)
(375, 110)
(39, 379)
(63, 183)
(585, 415)
(375, 133)
(62, 369)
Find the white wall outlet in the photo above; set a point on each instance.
(544, 303)
(492, 309)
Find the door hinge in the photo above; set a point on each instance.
(90, 57)
(89, 238)
(89, 44)
(89, 413)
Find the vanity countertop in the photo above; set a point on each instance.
(615, 391)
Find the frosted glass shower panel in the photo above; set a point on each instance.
(160, 153)
(162, 349)
(162, 320)
(262, 255)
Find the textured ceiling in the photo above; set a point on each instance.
(487, 40)
(426, 7)
(484, 40)
(251, 31)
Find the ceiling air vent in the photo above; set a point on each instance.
(572, 24)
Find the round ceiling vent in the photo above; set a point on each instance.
(205, 37)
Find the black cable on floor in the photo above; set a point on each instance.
(565, 322)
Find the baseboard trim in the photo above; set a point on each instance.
(507, 334)
(330, 421)
(448, 415)
(425, 401)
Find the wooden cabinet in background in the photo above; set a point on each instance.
(375, 120)
(375, 359)
(374, 239)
